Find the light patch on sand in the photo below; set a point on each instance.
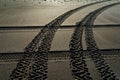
(110, 16)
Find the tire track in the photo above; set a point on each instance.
(47, 41)
(47, 33)
(93, 50)
(77, 50)
(78, 65)
(53, 24)
(45, 46)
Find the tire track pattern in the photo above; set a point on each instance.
(35, 43)
(21, 69)
(42, 56)
(102, 67)
(78, 64)
(39, 67)
(47, 40)
(21, 72)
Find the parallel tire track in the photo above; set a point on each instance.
(78, 65)
(43, 52)
(47, 41)
(34, 44)
(102, 67)
(22, 69)
(77, 51)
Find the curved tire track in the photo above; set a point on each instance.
(78, 65)
(45, 44)
(93, 50)
(22, 69)
(77, 50)
(47, 40)
(33, 45)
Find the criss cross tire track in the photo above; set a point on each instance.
(33, 66)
